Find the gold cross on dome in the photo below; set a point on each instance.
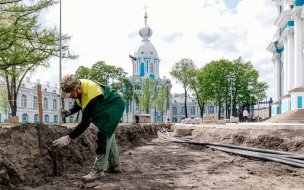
(145, 7)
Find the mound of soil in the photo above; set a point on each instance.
(281, 140)
(27, 157)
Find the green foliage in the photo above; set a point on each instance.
(195, 86)
(83, 72)
(161, 99)
(25, 45)
(147, 98)
(110, 75)
(4, 103)
(180, 74)
(214, 83)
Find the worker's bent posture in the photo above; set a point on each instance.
(104, 108)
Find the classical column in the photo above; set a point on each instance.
(290, 57)
(298, 47)
(285, 65)
(276, 59)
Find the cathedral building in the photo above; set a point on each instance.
(287, 57)
(145, 64)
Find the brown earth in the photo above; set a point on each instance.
(28, 160)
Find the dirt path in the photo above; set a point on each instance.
(167, 165)
(152, 163)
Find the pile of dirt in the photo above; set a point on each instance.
(281, 139)
(27, 157)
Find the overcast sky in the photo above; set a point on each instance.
(202, 30)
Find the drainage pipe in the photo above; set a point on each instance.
(295, 160)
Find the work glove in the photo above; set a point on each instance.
(65, 113)
(63, 141)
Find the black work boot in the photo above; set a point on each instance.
(114, 169)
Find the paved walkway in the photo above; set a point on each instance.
(250, 125)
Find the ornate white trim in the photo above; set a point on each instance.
(296, 15)
(290, 34)
(283, 39)
(275, 57)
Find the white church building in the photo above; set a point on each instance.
(145, 64)
(27, 102)
(288, 57)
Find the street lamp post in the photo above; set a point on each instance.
(133, 103)
(168, 83)
(250, 86)
(61, 119)
(231, 79)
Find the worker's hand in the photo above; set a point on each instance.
(63, 141)
(65, 113)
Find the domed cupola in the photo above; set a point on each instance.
(147, 60)
(146, 48)
(145, 32)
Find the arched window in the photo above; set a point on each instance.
(222, 111)
(45, 104)
(36, 119)
(192, 110)
(46, 118)
(174, 119)
(35, 103)
(55, 118)
(54, 104)
(159, 119)
(151, 68)
(211, 110)
(23, 101)
(137, 107)
(183, 110)
(24, 118)
(174, 111)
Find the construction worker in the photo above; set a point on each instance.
(104, 108)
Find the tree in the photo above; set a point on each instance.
(179, 72)
(246, 73)
(213, 80)
(215, 84)
(195, 87)
(4, 103)
(148, 95)
(110, 75)
(25, 46)
(83, 72)
(161, 99)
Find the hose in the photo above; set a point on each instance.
(291, 159)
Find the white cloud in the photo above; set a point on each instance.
(202, 30)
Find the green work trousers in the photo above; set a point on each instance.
(111, 156)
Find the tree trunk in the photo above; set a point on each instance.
(186, 113)
(219, 111)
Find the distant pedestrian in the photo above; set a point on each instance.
(251, 117)
(245, 114)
